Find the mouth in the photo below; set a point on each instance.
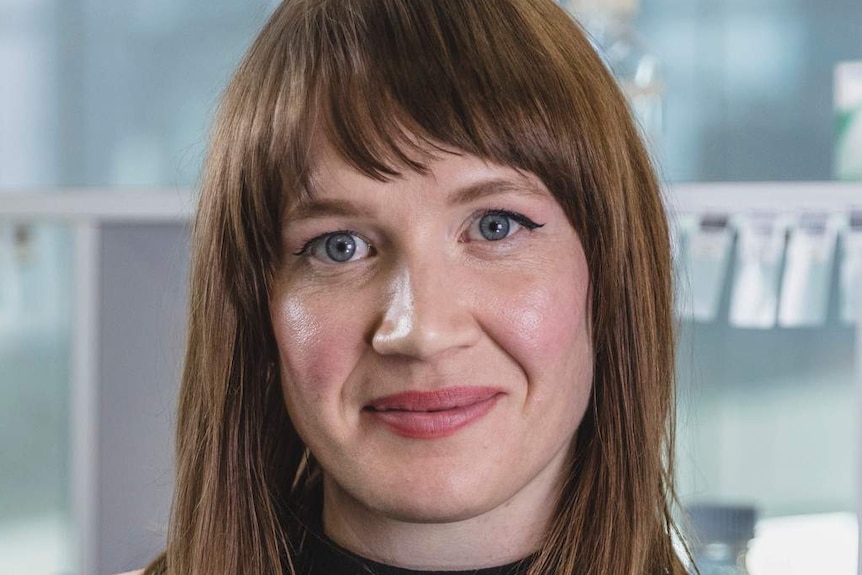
(433, 401)
(433, 415)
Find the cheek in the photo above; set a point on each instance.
(547, 325)
(315, 343)
(547, 332)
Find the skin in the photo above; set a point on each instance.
(427, 302)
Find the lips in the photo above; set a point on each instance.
(433, 414)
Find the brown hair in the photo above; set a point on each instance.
(515, 82)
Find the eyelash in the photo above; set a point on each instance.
(520, 219)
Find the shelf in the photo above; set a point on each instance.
(120, 205)
(784, 197)
(177, 205)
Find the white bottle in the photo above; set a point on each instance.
(610, 24)
(848, 108)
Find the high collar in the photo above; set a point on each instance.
(320, 555)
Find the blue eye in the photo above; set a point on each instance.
(495, 225)
(337, 247)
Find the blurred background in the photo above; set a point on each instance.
(752, 110)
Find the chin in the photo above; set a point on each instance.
(419, 510)
(436, 502)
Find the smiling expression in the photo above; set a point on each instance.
(434, 338)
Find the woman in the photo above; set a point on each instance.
(431, 314)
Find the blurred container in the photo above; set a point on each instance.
(722, 534)
(848, 109)
(707, 257)
(807, 278)
(851, 270)
(611, 23)
(759, 257)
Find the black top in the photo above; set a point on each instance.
(322, 556)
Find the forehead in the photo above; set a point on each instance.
(335, 187)
(451, 174)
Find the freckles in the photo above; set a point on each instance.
(526, 321)
(302, 326)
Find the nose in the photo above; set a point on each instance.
(424, 314)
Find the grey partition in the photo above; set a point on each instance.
(142, 286)
(92, 333)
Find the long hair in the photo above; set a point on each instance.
(514, 82)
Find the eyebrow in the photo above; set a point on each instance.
(321, 207)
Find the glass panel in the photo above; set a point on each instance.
(749, 85)
(35, 374)
(106, 93)
(768, 418)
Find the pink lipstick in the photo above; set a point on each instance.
(433, 414)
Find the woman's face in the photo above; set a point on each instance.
(435, 350)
